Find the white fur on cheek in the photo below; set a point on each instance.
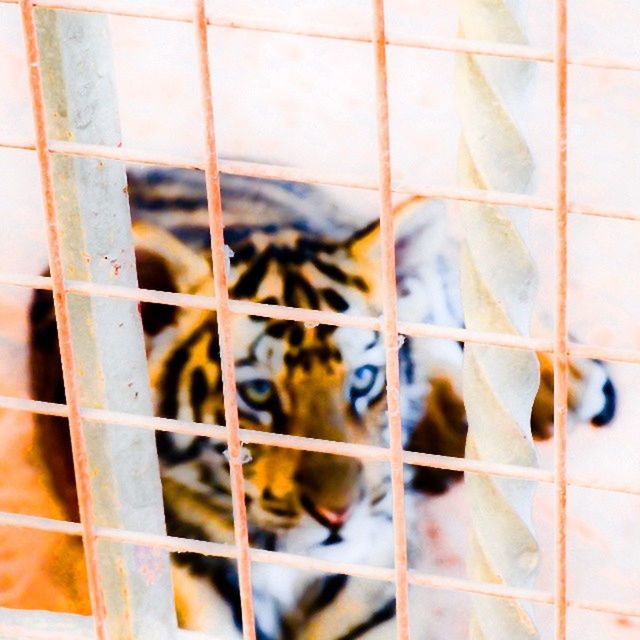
(593, 398)
(353, 344)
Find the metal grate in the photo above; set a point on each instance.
(388, 324)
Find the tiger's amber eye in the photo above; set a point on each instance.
(256, 392)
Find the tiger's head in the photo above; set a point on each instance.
(319, 381)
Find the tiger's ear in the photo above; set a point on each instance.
(419, 238)
(165, 264)
(187, 268)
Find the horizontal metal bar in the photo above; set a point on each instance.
(352, 450)
(249, 436)
(415, 329)
(417, 578)
(276, 172)
(183, 12)
(48, 625)
(45, 625)
(183, 545)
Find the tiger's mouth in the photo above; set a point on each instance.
(328, 518)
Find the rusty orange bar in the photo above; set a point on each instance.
(80, 463)
(225, 331)
(390, 324)
(561, 352)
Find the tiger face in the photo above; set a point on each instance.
(316, 389)
(321, 381)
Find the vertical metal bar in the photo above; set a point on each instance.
(561, 354)
(101, 341)
(390, 323)
(225, 331)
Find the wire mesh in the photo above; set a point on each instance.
(560, 346)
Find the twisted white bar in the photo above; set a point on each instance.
(498, 287)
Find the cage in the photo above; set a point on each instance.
(369, 103)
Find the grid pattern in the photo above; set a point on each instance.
(388, 324)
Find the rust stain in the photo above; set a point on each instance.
(623, 621)
(116, 267)
(433, 532)
(149, 563)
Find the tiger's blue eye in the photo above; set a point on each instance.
(363, 380)
(257, 392)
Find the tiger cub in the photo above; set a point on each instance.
(315, 381)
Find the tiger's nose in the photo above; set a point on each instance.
(332, 518)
